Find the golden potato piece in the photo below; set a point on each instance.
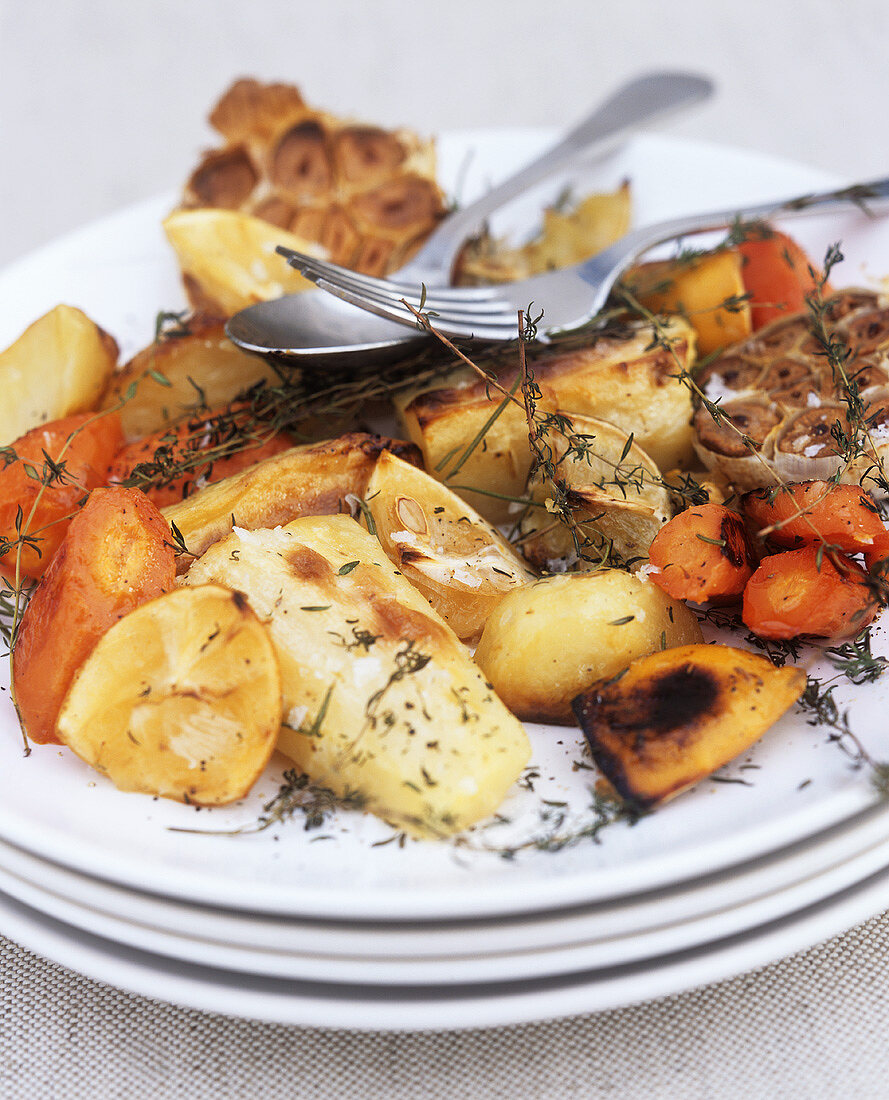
(203, 369)
(181, 698)
(382, 703)
(59, 365)
(228, 259)
(675, 717)
(442, 546)
(615, 492)
(545, 643)
(310, 480)
(622, 377)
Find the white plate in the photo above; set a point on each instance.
(625, 925)
(299, 955)
(417, 1008)
(122, 273)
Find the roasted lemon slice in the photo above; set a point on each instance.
(228, 259)
(444, 548)
(181, 698)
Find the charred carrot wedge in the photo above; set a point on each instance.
(188, 443)
(814, 512)
(702, 554)
(116, 555)
(777, 275)
(50, 471)
(808, 591)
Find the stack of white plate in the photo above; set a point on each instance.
(344, 925)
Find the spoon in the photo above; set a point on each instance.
(315, 329)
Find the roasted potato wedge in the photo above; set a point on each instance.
(382, 702)
(442, 546)
(675, 717)
(60, 365)
(623, 377)
(181, 698)
(616, 494)
(203, 368)
(310, 480)
(228, 259)
(545, 643)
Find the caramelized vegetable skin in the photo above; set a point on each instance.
(808, 591)
(812, 512)
(185, 443)
(116, 555)
(186, 370)
(41, 489)
(703, 554)
(310, 480)
(674, 717)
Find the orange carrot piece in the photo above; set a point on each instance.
(168, 447)
(814, 512)
(808, 591)
(777, 275)
(117, 554)
(84, 444)
(702, 554)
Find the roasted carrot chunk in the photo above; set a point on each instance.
(815, 512)
(50, 471)
(702, 554)
(116, 555)
(187, 445)
(777, 275)
(808, 591)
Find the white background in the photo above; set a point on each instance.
(103, 102)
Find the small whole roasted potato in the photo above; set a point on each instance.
(543, 644)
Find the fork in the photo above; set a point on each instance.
(570, 297)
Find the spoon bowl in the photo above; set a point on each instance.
(316, 330)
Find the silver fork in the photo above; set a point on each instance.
(570, 297)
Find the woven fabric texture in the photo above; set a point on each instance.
(811, 1026)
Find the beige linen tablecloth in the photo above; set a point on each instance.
(813, 1025)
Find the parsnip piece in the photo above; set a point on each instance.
(181, 698)
(228, 259)
(615, 492)
(382, 702)
(203, 369)
(675, 717)
(544, 644)
(313, 479)
(566, 237)
(624, 377)
(698, 289)
(59, 365)
(460, 563)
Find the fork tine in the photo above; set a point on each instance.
(501, 327)
(469, 311)
(301, 260)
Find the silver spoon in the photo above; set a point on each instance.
(316, 329)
